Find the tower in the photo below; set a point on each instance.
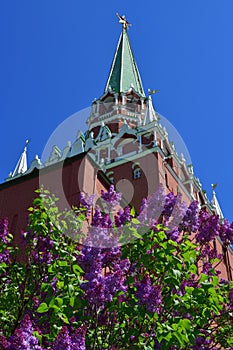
(131, 145)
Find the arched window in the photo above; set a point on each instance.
(136, 170)
(137, 173)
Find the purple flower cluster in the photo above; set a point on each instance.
(4, 252)
(4, 256)
(4, 230)
(101, 220)
(178, 213)
(101, 288)
(75, 341)
(42, 252)
(152, 208)
(208, 227)
(226, 232)
(149, 295)
(122, 217)
(111, 197)
(170, 201)
(187, 283)
(203, 341)
(23, 338)
(231, 299)
(210, 253)
(87, 202)
(190, 222)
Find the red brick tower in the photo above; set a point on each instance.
(132, 147)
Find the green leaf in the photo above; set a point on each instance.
(42, 308)
(63, 317)
(60, 284)
(59, 301)
(132, 211)
(72, 299)
(77, 269)
(135, 221)
(185, 323)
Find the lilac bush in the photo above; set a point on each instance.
(161, 289)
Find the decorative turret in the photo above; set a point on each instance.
(21, 166)
(150, 114)
(215, 202)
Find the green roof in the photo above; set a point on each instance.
(124, 72)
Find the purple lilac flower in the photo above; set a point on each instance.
(144, 205)
(208, 227)
(87, 202)
(101, 220)
(78, 338)
(187, 283)
(101, 288)
(4, 230)
(190, 221)
(226, 232)
(111, 197)
(178, 212)
(87, 257)
(22, 338)
(101, 238)
(170, 201)
(173, 234)
(97, 217)
(206, 268)
(111, 256)
(148, 295)
(4, 344)
(94, 287)
(152, 208)
(63, 341)
(42, 249)
(114, 282)
(211, 253)
(202, 342)
(122, 217)
(4, 256)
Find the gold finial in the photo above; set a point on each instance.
(123, 21)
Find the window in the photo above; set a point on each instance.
(137, 173)
(166, 179)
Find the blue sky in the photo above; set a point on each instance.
(56, 55)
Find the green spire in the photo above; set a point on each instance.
(124, 73)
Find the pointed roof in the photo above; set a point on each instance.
(124, 72)
(21, 166)
(150, 114)
(216, 205)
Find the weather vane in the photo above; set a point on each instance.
(123, 21)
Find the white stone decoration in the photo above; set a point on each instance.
(55, 155)
(78, 145)
(90, 142)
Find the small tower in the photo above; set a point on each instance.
(215, 203)
(21, 166)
